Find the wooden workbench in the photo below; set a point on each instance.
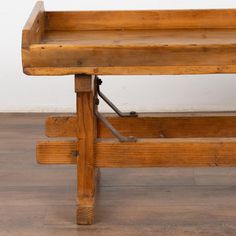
(91, 43)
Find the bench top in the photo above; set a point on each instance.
(129, 42)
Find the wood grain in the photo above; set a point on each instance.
(83, 84)
(175, 152)
(167, 153)
(132, 70)
(64, 126)
(86, 135)
(48, 55)
(154, 125)
(34, 27)
(140, 38)
(149, 19)
(32, 32)
(54, 152)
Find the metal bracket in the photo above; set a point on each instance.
(115, 132)
(104, 120)
(109, 103)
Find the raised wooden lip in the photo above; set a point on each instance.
(39, 6)
(141, 19)
(30, 23)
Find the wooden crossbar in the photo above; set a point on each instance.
(55, 152)
(193, 152)
(177, 125)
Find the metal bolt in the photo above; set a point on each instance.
(133, 113)
(99, 81)
(97, 101)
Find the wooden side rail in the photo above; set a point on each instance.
(34, 27)
(32, 32)
(192, 152)
(152, 125)
(141, 19)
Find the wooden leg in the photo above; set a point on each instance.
(86, 133)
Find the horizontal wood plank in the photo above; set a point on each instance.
(56, 152)
(64, 126)
(151, 19)
(56, 55)
(141, 38)
(167, 153)
(175, 125)
(131, 70)
(194, 152)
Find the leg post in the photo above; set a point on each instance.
(86, 134)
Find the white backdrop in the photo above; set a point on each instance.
(20, 93)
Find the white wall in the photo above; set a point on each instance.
(19, 92)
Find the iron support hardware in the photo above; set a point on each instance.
(104, 120)
(110, 104)
(115, 132)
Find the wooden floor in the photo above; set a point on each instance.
(40, 200)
